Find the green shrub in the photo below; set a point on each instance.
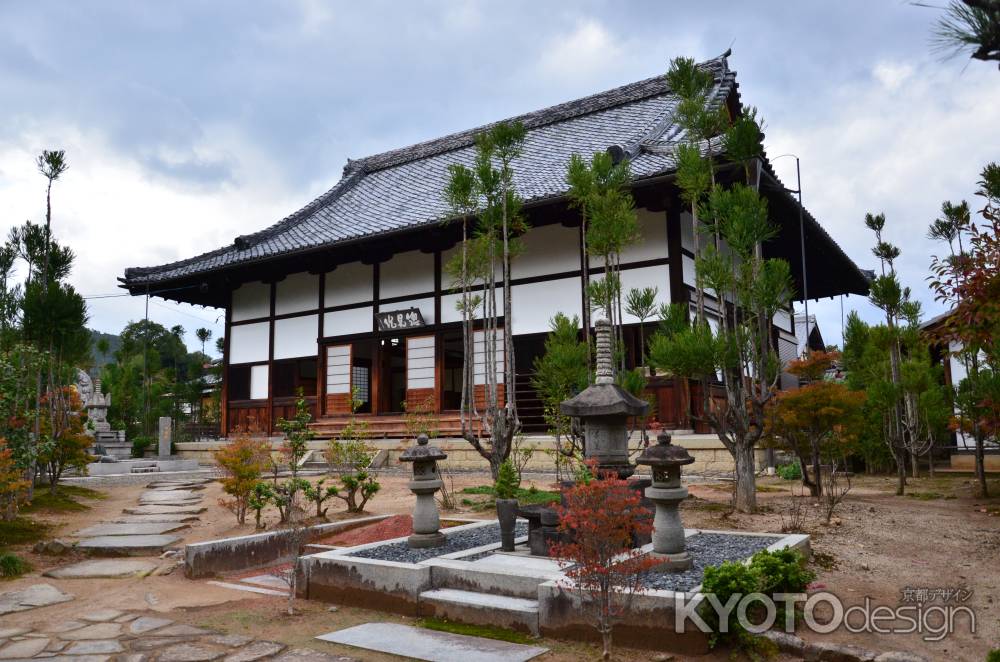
(791, 471)
(781, 571)
(140, 444)
(507, 481)
(993, 655)
(12, 565)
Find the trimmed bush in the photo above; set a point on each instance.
(12, 565)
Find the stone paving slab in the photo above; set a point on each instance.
(166, 518)
(162, 509)
(169, 495)
(94, 631)
(127, 545)
(39, 595)
(270, 581)
(103, 568)
(129, 529)
(430, 645)
(24, 648)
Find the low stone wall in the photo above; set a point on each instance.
(709, 453)
(967, 462)
(206, 559)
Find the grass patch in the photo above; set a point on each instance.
(21, 531)
(770, 488)
(526, 497)
(12, 565)
(824, 560)
(486, 631)
(925, 496)
(66, 499)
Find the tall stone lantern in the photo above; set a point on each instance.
(666, 493)
(426, 481)
(604, 409)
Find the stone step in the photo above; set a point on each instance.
(481, 609)
(138, 545)
(145, 470)
(129, 529)
(519, 581)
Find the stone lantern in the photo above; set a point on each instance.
(426, 481)
(666, 493)
(604, 409)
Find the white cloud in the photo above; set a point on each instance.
(892, 75)
(588, 49)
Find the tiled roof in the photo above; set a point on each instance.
(402, 189)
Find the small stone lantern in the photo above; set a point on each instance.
(604, 409)
(426, 481)
(666, 493)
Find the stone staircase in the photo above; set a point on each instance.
(501, 590)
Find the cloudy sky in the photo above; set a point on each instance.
(188, 123)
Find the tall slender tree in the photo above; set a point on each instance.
(487, 193)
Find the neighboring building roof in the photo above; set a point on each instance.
(815, 339)
(401, 190)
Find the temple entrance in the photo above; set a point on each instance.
(392, 375)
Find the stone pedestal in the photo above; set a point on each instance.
(668, 531)
(166, 436)
(426, 520)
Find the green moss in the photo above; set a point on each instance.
(526, 497)
(486, 631)
(21, 531)
(12, 565)
(66, 499)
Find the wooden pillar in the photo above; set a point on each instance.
(224, 395)
(270, 360)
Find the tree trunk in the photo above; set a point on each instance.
(817, 472)
(806, 482)
(745, 496)
(914, 465)
(901, 473)
(984, 491)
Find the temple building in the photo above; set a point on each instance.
(350, 293)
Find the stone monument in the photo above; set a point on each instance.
(96, 404)
(666, 493)
(426, 481)
(604, 409)
(166, 436)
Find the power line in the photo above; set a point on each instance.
(106, 296)
(203, 319)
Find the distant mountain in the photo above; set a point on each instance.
(114, 343)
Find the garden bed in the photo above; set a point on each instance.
(396, 526)
(708, 549)
(459, 541)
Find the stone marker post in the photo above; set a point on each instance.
(166, 435)
(426, 481)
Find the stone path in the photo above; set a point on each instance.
(39, 595)
(107, 634)
(147, 530)
(421, 644)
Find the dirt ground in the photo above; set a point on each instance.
(878, 545)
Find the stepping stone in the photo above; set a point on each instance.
(25, 648)
(162, 509)
(7, 633)
(230, 640)
(309, 655)
(256, 651)
(145, 624)
(166, 518)
(64, 626)
(270, 581)
(95, 631)
(39, 595)
(131, 529)
(127, 545)
(96, 647)
(189, 653)
(101, 615)
(168, 495)
(421, 644)
(103, 568)
(248, 588)
(182, 630)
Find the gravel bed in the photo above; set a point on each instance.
(708, 549)
(455, 542)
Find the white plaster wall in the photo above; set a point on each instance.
(248, 342)
(426, 307)
(406, 273)
(652, 244)
(296, 336)
(687, 232)
(297, 293)
(549, 249)
(658, 277)
(449, 313)
(349, 283)
(689, 270)
(352, 320)
(251, 300)
(783, 320)
(533, 305)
